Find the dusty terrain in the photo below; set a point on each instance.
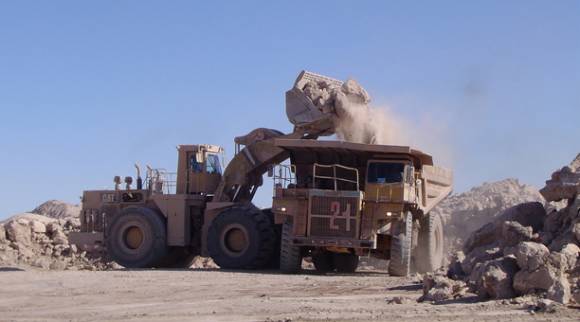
(178, 295)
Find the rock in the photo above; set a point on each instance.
(566, 259)
(530, 256)
(497, 278)
(2, 233)
(37, 227)
(530, 214)
(59, 238)
(526, 282)
(464, 213)
(560, 290)
(564, 183)
(438, 288)
(480, 255)
(399, 300)
(513, 232)
(545, 306)
(18, 231)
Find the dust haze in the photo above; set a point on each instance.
(361, 121)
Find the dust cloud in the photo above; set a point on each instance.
(359, 121)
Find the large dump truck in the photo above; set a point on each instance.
(166, 219)
(340, 200)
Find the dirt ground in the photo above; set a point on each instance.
(213, 295)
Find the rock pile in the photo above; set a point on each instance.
(58, 209)
(463, 213)
(528, 248)
(40, 241)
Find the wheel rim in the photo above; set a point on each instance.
(234, 240)
(133, 237)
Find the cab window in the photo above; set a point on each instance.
(212, 164)
(382, 172)
(194, 165)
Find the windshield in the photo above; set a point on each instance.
(212, 164)
(382, 172)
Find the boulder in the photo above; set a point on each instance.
(566, 259)
(530, 256)
(438, 288)
(560, 290)
(564, 183)
(480, 255)
(18, 231)
(526, 282)
(497, 279)
(513, 233)
(37, 227)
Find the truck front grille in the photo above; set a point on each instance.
(334, 216)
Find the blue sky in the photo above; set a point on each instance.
(88, 88)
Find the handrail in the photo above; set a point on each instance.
(334, 177)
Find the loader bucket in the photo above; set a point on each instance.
(302, 112)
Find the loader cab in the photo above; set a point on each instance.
(390, 181)
(199, 169)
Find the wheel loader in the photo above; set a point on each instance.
(323, 207)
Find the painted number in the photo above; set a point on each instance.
(335, 213)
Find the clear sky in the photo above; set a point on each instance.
(88, 88)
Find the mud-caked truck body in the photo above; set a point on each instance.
(338, 201)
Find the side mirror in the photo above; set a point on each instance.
(270, 171)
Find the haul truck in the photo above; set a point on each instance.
(166, 219)
(339, 200)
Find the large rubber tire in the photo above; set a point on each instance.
(345, 262)
(400, 261)
(323, 261)
(241, 238)
(290, 255)
(430, 244)
(137, 238)
(274, 262)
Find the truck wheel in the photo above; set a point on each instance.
(323, 261)
(290, 255)
(241, 237)
(400, 261)
(137, 238)
(430, 246)
(274, 262)
(345, 263)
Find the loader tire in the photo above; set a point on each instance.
(323, 261)
(290, 255)
(430, 244)
(400, 261)
(137, 238)
(241, 238)
(345, 262)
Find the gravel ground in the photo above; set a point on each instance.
(213, 295)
